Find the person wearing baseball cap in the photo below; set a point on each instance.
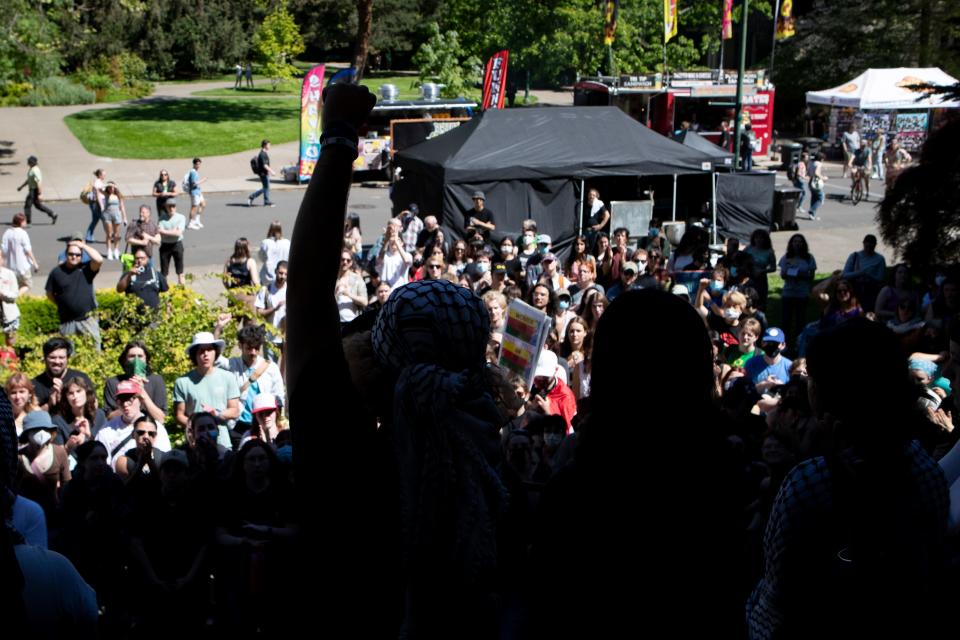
(771, 369)
(550, 394)
(480, 218)
(265, 412)
(117, 434)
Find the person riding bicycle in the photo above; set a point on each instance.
(862, 165)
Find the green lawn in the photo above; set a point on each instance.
(262, 89)
(184, 128)
(774, 305)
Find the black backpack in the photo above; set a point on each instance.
(792, 171)
(255, 165)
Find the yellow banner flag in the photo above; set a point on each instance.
(669, 19)
(785, 21)
(610, 20)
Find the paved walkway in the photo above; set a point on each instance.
(67, 166)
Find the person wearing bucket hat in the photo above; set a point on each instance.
(550, 394)
(118, 434)
(771, 369)
(45, 466)
(480, 218)
(207, 388)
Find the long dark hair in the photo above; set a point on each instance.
(241, 249)
(804, 251)
(89, 409)
(574, 256)
(760, 238)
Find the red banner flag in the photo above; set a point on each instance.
(727, 23)
(495, 80)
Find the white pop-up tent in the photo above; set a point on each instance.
(887, 89)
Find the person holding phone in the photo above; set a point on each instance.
(135, 361)
(142, 280)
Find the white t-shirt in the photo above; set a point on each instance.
(115, 430)
(272, 251)
(16, 243)
(393, 270)
(268, 297)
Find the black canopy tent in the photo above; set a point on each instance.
(722, 159)
(532, 163)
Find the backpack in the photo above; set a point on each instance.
(792, 171)
(255, 165)
(86, 192)
(187, 185)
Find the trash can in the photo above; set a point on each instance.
(811, 145)
(789, 153)
(785, 209)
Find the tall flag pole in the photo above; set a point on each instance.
(740, 71)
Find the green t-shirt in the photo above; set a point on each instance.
(34, 177)
(214, 390)
(176, 221)
(738, 359)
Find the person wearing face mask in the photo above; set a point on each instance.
(44, 465)
(724, 318)
(135, 362)
(771, 369)
(563, 312)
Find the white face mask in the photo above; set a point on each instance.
(40, 437)
(730, 313)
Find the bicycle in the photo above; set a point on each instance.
(856, 189)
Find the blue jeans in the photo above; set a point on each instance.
(816, 199)
(798, 183)
(96, 214)
(265, 190)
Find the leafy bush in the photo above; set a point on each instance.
(57, 90)
(166, 331)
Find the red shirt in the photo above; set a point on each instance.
(563, 403)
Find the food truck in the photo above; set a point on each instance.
(395, 124)
(701, 98)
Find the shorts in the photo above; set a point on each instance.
(112, 215)
(197, 200)
(25, 280)
(174, 249)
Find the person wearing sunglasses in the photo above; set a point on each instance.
(70, 287)
(119, 435)
(143, 460)
(163, 189)
(351, 291)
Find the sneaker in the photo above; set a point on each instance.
(193, 225)
(249, 202)
(199, 224)
(269, 204)
(53, 218)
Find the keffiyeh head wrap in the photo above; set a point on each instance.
(433, 334)
(456, 317)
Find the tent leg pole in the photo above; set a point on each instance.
(673, 205)
(582, 183)
(713, 190)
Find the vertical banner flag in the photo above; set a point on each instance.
(785, 21)
(495, 81)
(727, 28)
(669, 19)
(310, 106)
(610, 20)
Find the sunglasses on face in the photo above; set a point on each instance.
(141, 432)
(74, 255)
(434, 266)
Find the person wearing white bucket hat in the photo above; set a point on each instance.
(207, 388)
(550, 394)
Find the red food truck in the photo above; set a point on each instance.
(700, 98)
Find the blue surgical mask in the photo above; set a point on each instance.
(716, 285)
(563, 304)
(482, 267)
(653, 233)
(544, 250)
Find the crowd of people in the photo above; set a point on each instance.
(753, 479)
